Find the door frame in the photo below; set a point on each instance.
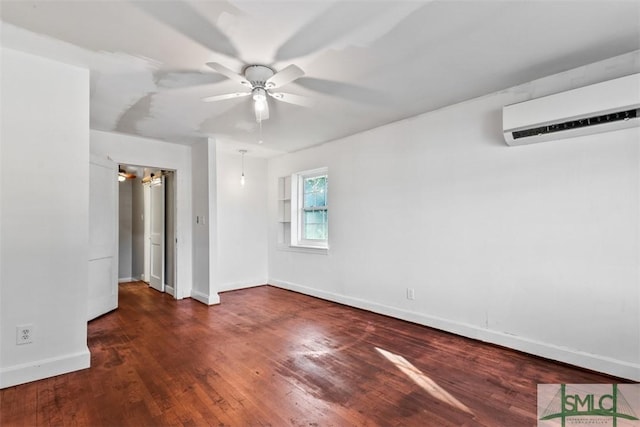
(146, 208)
(173, 291)
(132, 150)
(171, 193)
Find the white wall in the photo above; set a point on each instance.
(204, 222)
(126, 149)
(533, 247)
(242, 221)
(125, 224)
(230, 223)
(44, 185)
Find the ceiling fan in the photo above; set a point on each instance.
(261, 80)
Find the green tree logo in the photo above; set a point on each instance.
(583, 402)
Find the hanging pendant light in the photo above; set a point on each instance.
(242, 179)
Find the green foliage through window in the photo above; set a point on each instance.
(315, 208)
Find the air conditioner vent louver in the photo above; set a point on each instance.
(580, 123)
(602, 107)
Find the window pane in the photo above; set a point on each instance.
(308, 185)
(315, 190)
(315, 231)
(314, 217)
(309, 200)
(314, 184)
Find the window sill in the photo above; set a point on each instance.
(304, 249)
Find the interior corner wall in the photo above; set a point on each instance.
(200, 221)
(241, 221)
(203, 156)
(45, 220)
(133, 150)
(533, 247)
(125, 235)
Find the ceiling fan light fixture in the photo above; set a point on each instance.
(260, 106)
(259, 94)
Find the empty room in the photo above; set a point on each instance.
(320, 213)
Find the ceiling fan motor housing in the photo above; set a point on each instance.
(258, 75)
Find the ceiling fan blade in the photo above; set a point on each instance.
(225, 96)
(284, 76)
(186, 79)
(293, 99)
(336, 24)
(229, 73)
(349, 91)
(185, 19)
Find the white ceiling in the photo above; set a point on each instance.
(367, 63)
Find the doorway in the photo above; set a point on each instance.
(147, 227)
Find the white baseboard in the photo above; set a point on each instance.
(204, 298)
(127, 279)
(590, 361)
(41, 369)
(170, 290)
(241, 285)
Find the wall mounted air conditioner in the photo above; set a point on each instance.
(602, 107)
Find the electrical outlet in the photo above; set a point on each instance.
(24, 334)
(411, 294)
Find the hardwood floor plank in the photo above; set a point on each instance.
(270, 357)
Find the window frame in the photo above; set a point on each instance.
(298, 210)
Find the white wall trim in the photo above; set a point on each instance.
(40, 369)
(594, 362)
(170, 290)
(234, 286)
(127, 279)
(205, 299)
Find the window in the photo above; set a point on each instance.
(309, 209)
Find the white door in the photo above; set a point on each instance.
(103, 237)
(156, 258)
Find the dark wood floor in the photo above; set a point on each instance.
(267, 356)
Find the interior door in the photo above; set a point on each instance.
(156, 258)
(103, 237)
